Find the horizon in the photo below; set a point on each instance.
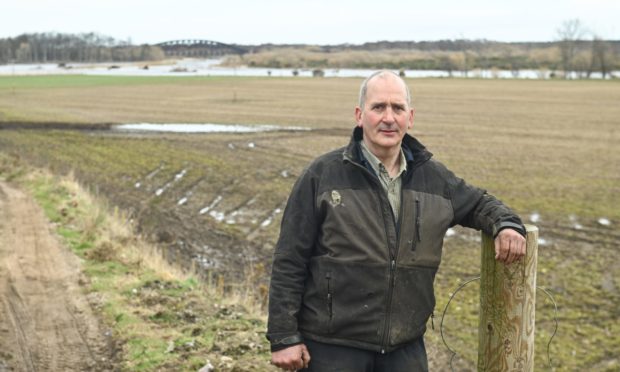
(311, 22)
(315, 44)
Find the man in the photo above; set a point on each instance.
(361, 241)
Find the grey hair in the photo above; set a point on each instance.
(380, 73)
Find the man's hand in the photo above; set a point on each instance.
(292, 358)
(509, 246)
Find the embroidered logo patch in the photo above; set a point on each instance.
(336, 198)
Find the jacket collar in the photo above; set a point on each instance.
(414, 151)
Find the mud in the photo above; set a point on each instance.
(46, 322)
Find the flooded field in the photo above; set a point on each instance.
(211, 67)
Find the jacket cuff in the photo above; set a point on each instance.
(508, 225)
(285, 342)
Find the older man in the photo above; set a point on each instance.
(361, 241)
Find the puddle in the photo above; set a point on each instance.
(203, 128)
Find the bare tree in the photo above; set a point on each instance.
(601, 56)
(569, 34)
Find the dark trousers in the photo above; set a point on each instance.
(335, 358)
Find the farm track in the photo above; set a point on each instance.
(46, 322)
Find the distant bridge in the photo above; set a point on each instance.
(199, 48)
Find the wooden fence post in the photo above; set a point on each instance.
(507, 306)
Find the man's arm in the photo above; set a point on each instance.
(298, 234)
(496, 219)
(475, 208)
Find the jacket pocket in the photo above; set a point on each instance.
(412, 304)
(428, 217)
(345, 300)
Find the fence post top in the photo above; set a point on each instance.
(530, 228)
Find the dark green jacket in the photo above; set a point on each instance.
(344, 272)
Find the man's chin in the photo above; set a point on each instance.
(387, 143)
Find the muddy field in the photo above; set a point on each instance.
(213, 202)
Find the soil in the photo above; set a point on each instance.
(46, 321)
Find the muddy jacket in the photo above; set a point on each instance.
(345, 272)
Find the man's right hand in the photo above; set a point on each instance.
(292, 358)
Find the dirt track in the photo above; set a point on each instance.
(46, 322)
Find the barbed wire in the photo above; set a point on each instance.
(454, 353)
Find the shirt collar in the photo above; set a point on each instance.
(376, 164)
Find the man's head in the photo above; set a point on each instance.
(384, 112)
(380, 74)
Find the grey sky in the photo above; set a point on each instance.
(309, 21)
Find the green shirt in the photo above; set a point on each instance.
(391, 185)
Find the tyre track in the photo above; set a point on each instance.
(46, 323)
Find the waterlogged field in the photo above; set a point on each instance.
(550, 149)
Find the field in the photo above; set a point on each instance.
(547, 148)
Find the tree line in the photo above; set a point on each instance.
(576, 53)
(568, 57)
(62, 48)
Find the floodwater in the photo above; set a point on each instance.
(203, 128)
(210, 67)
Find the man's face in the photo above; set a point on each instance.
(386, 115)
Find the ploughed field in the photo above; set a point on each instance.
(549, 149)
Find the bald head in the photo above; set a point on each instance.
(381, 74)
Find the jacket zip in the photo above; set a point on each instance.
(418, 237)
(392, 264)
(330, 298)
(388, 319)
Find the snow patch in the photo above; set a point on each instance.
(604, 221)
(218, 216)
(180, 175)
(535, 217)
(182, 201)
(210, 206)
(154, 172)
(269, 219)
(137, 185)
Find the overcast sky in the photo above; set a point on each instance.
(309, 21)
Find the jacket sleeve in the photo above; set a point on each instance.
(298, 234)
(475, 208)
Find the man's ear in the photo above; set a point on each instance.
(358, 116)
(411, 117)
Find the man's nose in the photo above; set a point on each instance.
(388, 115)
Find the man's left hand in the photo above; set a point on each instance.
(509, 246)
